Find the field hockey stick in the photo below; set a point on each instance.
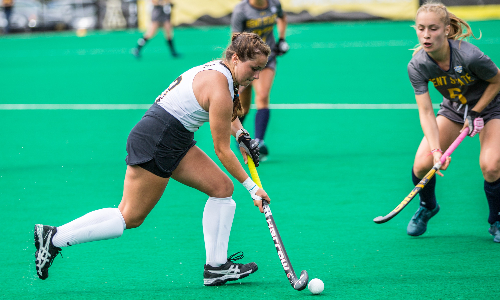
(297, 283)
(424, 181)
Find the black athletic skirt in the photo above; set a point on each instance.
(158, 142)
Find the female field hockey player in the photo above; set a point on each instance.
(260, 16)
(161, 146)
(160, 15)
(470, 83)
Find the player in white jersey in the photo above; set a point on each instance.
(470, 84)
(161, 146)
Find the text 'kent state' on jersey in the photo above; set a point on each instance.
(464, 82)
(246, 18)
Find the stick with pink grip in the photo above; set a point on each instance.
(424, 181)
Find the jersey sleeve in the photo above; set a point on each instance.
(237, 19)
(419, 83)
(279, 12)
(481, 65)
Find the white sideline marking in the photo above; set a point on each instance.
(146, 106)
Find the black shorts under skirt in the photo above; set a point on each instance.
(158, 142)
(161, 14)
(271, 62)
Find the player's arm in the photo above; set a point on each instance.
(247, 145)
(220, 112)
(235, 126)
(474, 121)
(281, 24)
(237, 20)
(489, 94)
(430, 127)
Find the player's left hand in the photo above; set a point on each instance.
(474, 122)
(282, 47)
(249, 146)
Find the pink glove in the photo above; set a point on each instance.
(476, 123)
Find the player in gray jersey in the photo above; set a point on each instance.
(160, 15)
(260, 16)
(470, 84)
(161, 146)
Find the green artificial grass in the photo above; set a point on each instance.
(329, 173)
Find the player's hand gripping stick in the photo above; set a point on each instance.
(297, 283)
(424, 181)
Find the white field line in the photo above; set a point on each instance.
(146, 106)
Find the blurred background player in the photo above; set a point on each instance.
(7, 8)
(260, 16)
(470, 83)
(161, 146)
(160, 15)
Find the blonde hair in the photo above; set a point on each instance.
(246, 46)
(459, 29)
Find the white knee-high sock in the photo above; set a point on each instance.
(102, 224)
(217, 221)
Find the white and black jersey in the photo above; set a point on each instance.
(179, 100)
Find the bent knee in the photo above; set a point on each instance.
(133, 220)
(224, 188)
(421, 167)
(491, 172)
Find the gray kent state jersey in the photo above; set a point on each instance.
(246, 18)
(464, 82)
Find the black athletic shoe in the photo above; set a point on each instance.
(229, 271)
(45, 250)
(418, 223)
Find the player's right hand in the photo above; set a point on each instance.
(444, 166)
(263, 195)
(282, 47)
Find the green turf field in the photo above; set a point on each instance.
(330, 172)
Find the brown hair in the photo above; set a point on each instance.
(246, 46)
(459, 29)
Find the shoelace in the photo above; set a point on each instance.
(419, 212)
(236, 256)
(44, 253)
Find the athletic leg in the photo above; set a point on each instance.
(448, 131)
(141, 192)
(197, 170)
(489, 160)
(141, 42)
(169, 37)
(262, 88)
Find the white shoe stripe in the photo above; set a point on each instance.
(225, 277)
(43, 255)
